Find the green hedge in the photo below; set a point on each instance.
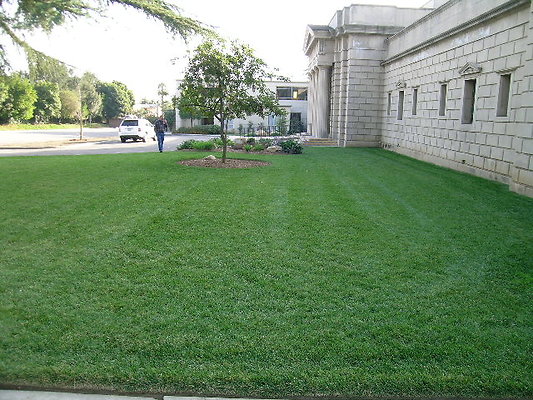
(202, 129)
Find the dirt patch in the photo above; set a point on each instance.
(230, 163)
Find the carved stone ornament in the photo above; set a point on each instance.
(470, 68)
(400, 84)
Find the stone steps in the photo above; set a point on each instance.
(320, 142)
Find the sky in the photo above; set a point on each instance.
(127, 47)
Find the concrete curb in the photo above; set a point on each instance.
(30, 395)
(37, 395)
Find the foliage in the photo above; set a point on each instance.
(281, 125)
(118, 100)
(44, 69)
(201, 129)
(18, 100)
(266, 142)
(226, 81)
(250, 140)
(219, 143)
(48, 104)
(203, 145)
(258, 147)
(70, 105)
(170, 116)
(90, 96)
(187, 145)
(18, 17)
(291, 146)
(248, 147)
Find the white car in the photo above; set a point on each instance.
(136, 129)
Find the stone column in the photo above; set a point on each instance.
(322, 103)
(310, 102)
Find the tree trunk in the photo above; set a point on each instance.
(224, 137)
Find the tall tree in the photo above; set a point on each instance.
(22, 16)
(118, 100)
(162, 93)
(19, 100)
(224, 82)
(48, 104)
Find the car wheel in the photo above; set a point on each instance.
(123, 140)
(144, 139)
(153, 138)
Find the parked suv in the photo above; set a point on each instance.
(136, 129)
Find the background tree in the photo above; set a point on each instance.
(90, 97)
(23, 16)
(48, 104)
(42, 69)
(162, 93)
(19, 100)
(118, 100)
(70, 105)
(226, 82)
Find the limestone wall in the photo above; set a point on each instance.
(482, 48)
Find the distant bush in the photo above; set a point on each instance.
(266, 142)
(219, 143)
(188, 144)
(199, 145)
(202, 129)
(258, 147)
(248, 147)
(291, 147)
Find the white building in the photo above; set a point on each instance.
(292, 97)
(451, 85)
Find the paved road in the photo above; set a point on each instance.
(46, 143)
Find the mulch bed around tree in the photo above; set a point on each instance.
(230, 163)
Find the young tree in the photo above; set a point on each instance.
(18, 17)
(224, 82)
(90, 97)
(70, 105)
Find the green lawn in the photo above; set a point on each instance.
(335, 272)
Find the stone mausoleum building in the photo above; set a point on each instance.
(452, 85)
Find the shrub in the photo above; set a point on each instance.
(258, 147)
(291, 147)
(188, 144)
(202, 129)
(266, 142)
(250, 141)
(219, 143)
(199, 145)
(248, 147)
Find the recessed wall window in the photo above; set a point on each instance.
(442, 99)
(415, 101)
(389, 102)
(400, 105)
(503, 95)
(469, 99)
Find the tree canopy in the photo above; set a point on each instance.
(227, 81)
(20, 16)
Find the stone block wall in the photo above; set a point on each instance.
(357, 79)
(491, 146)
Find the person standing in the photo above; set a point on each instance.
(160, 127)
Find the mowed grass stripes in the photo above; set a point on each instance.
(353, 272)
